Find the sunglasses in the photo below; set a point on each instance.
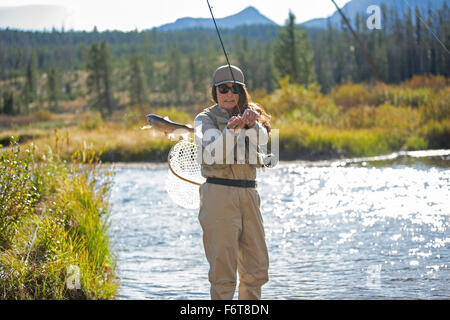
(223, 88)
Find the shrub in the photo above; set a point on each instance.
(437, 134)
(360, 117)
(350, 95)
(90, 120)
(415, 142)
(427, 81)
(71, 232)
(292, 102)
(18, 190)
(438, 108)
(399, 118)
(42, 115)
(384, 116)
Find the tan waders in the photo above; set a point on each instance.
(233, 231)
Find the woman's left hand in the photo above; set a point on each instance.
(250, 117)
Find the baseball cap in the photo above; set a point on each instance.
(223, 75)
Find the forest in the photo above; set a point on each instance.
(40, 69)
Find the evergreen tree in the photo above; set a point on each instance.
(270, 78)
(8, 102)
(53, 91)
(30, 88)
(99, 81)
(137, 85)
(148, 62)
(107, 68)
(174, 76)
(94, 82)
(294, 56)
(196, 75)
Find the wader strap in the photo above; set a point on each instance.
(233, 182)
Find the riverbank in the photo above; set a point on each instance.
(53, 227)
(113, 143)
(353, 120)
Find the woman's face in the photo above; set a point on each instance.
(227, 100)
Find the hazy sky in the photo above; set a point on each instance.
(143, 14)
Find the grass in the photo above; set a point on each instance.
(65, 210)
(352, 120)
(360, 120)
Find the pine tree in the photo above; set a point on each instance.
(294, 56)
(30, 87)
(148, 62)
(270, 79)
(137, 85)
(99, 81)
(93, 82)
(107, 67)
(196, 74)
(174, 82)
(8, 102)
(53, 92)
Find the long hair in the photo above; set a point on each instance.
(245, 102)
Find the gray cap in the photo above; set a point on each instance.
(223, 75)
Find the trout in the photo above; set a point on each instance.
(167, 126)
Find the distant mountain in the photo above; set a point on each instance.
(34, 17)
(248, 16)
(353, 7)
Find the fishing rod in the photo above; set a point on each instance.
(223, 48)
(361, 45)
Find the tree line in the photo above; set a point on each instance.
(38, 69)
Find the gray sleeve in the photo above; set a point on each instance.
(263, 136)
(257, 137)
(215, 145)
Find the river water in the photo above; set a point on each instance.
(374, 228)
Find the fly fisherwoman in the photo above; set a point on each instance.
(228, 135)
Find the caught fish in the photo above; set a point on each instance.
(167, 126)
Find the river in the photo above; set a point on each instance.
(373, 228)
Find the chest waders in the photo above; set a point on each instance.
(233, 231)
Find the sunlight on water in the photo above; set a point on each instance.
(333, 232)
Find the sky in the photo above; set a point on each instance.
(143, 14)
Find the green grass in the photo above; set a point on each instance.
(65, 204)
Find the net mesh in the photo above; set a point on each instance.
(184, 179)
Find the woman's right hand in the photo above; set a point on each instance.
(236, 122)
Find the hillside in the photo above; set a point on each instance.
(246, 17)
(360, 6)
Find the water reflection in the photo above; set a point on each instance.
(334, 231)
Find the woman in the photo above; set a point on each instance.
(233, 232)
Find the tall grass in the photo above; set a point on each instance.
(67, 218)
(360, 119)
(352, 120)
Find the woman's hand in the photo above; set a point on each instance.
(250, 117)
(236, 122)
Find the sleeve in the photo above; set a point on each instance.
(249, 144)
(263, 136)
(215, 146)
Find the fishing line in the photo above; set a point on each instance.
(184, 178)
(429, 29)
(223, 48)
